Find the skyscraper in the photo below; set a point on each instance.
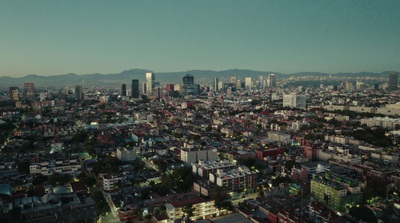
(238, 84)
(393, 81)
(216, 84)
(123, 90)
(248, 83)
(29, 90)
(261, 82)
(150, 78)
(78, 93)
(272, 81)
(135, 88)
(188, 84)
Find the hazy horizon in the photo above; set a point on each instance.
(50, 38)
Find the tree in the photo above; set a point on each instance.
(188, 210)
(221, 199)
(275, 182)
(161, 165)
(39, 180)
(23, 167)
(361, 212)
(59, 179)
(101, 204)
(90, 181)
(80, 136)
(290, 164)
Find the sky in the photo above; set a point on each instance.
(51, 37)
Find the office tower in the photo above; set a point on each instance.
(14, 91)
(135, 88)
(78, 93)
(261, 82)
(144, 88)
(220, 86)
(393, 81)
(29, 90)
(216, 84)
(233, 80)
(158, 92)
(248, 83)
(238, 84)
(123, 90)
(272, 81)
(188, 84)
(294, 101)
(150, 78)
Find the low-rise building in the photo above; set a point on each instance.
(203, 209)
(111, 181)
(46, 167)
(127, 154)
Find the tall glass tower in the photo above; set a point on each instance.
(393, 81)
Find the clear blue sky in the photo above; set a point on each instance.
(49, 37)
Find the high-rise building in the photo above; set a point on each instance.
(135, 88)
(238, 84)
(216, 84)
(144, 88)
(188, 84)
(78, 93)
(272, 81)
(261, 82)
(14, 93)
(248, 83)
(233, 80)
(393, 81)
(150, 78)
(29, 90)
(123, 90)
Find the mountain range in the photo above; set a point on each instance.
(200, 76)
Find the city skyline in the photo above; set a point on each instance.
(52, 38)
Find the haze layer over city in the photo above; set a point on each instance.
(199, 111)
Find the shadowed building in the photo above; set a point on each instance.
(135, 88)
(29, 90)
(123, 90)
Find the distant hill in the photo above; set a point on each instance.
(200, 76)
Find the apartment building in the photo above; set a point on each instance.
(111, 181)
(48, 167)
(235, 180)
(195, 155)
(336, 191)
(204, 168)
(203, 209)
